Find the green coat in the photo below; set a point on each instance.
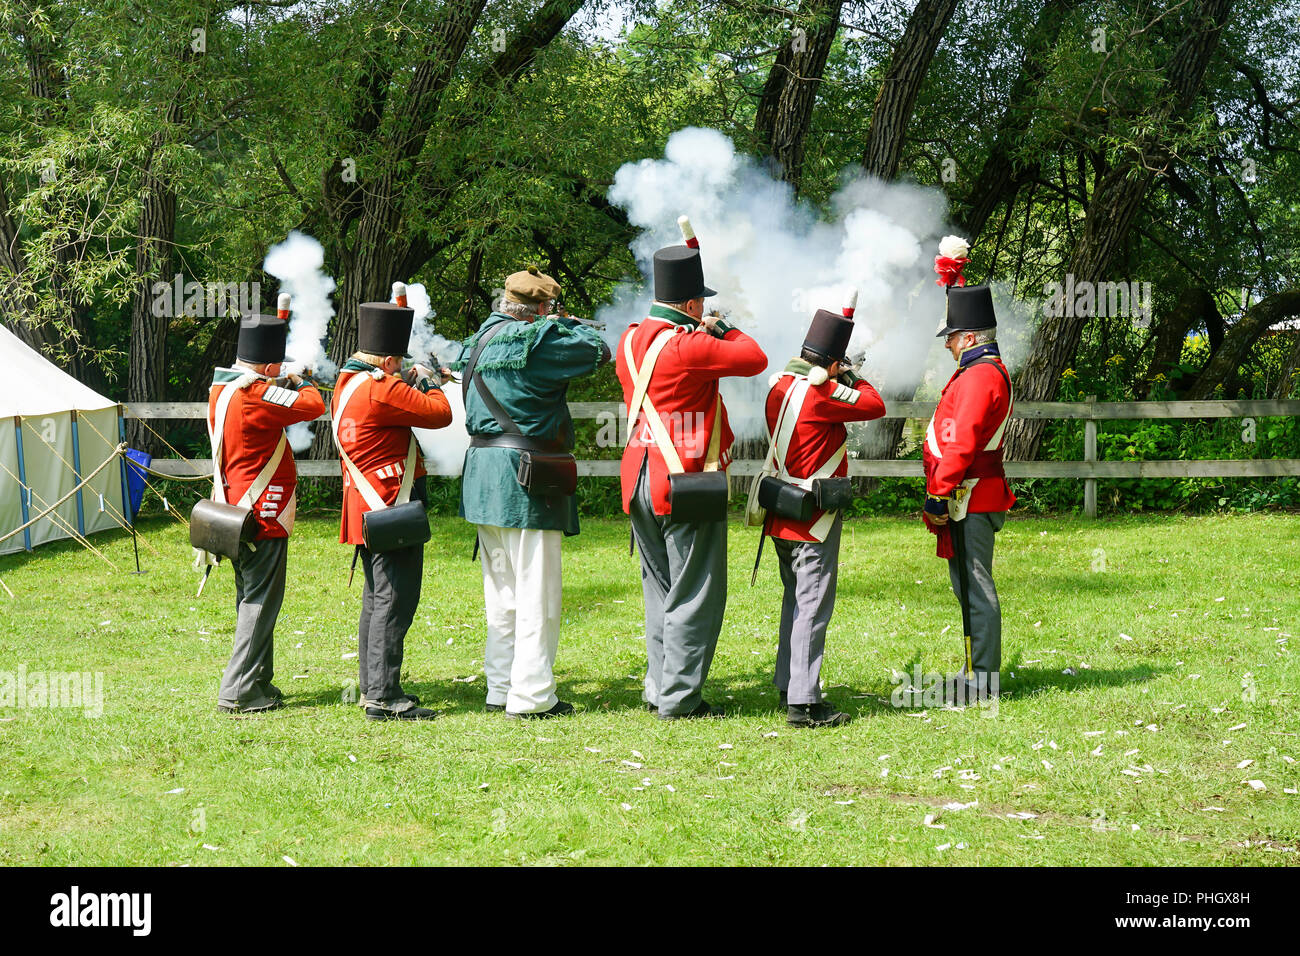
(527, 366)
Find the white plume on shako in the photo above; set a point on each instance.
(298, 263)
(775, 259)
(444, 447)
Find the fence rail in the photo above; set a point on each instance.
(1089, 469)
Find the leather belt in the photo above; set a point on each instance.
(519, 442)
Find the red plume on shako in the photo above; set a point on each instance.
(282, 306)
(399, 294)
(688, 233)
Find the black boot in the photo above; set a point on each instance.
(705, 709)
(815, 715)
(963, 689)
(411, 713)
(561, 709)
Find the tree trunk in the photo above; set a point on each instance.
(1110, 217)
(17, 305)
(156, 230)
(1241, 338)
(1193, 307)
(884, 152)
(1286, 384)
(786, 108)
(1001, 176)
(54, 324)
(907, 69)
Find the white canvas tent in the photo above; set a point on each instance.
(53, 432)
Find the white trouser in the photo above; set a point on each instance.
(521, 588)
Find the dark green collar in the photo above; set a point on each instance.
(356, 365)
(669, 314)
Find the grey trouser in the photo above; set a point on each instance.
(984, 648)
(808, 573)
(387, 608)
(684, 582)
(259, 592)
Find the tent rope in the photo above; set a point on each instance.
(131, 463)
(50, 510)
(197, 474)
(163, 474)
(114, 513)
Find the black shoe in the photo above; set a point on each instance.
(705, 709)
(275, 704)
(785, 700)
(562, 708)
(815, 715)
(494, 708)
(411, 713)
(411, 697)
(653, 708)
(959, 691)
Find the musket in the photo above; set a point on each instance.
(563, 313)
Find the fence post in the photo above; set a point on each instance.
(1090, 455)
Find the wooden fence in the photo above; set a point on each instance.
(1089, 469)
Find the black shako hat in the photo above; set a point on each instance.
(679, 275)
(384, 328)
(970, 308)
(261, 340)
(829, 335)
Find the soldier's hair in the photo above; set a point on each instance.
(813, 357)
(985, 336)
(679, 306)
(520, 310)
(370, 358)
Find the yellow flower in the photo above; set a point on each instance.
(1068, 373)
(1160, 377)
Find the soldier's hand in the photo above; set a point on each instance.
(936, 510)
(294, 379)
(714, 324)
(446, 375)
(419, 372)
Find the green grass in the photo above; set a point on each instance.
(1209, 604)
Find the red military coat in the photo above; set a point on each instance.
(968, 419)
(255, 421)
(375, 432)
(818, 434)
(684, 391)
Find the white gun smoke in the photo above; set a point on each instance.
(298, 263)
(775, 259)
